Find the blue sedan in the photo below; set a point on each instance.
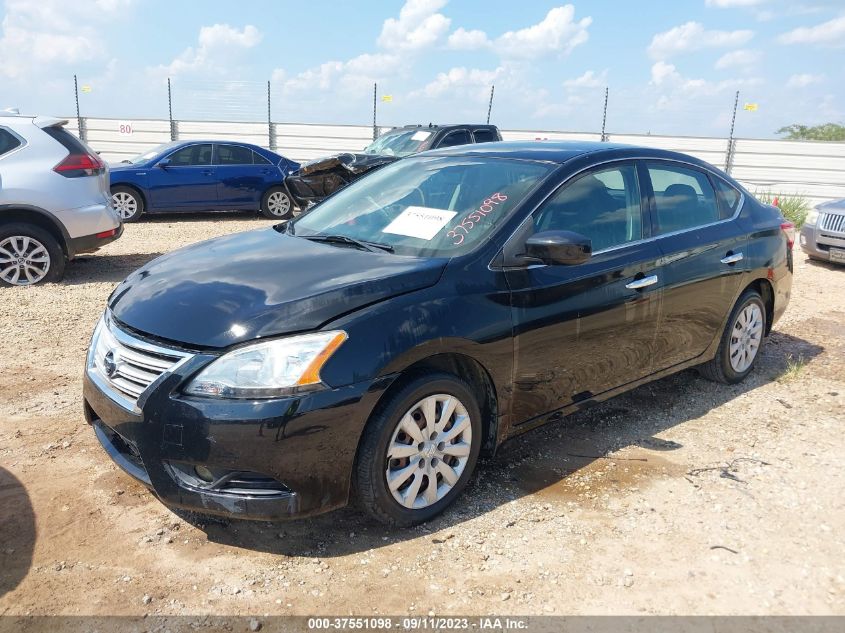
(202, 176)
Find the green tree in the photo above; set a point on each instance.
(826, 132)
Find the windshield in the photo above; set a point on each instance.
(152, 153)
(426, 206)
(399, 143)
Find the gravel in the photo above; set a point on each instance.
(694, 498)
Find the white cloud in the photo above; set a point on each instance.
(742, 58)
(588, 80)
(355, 75)
(43, 34)
(419, 26)
(831, 33)
(558, 32)
(803, 80)
(730, 4)
(463, 39)
(662, 72)
(472, 80)
(692, 36)
(217, 46)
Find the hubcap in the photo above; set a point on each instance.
(429, 450)
(278, 203)
(23, 260)
(745, 337)
(125, 203)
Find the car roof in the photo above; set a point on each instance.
(440, 126)
(562, 151)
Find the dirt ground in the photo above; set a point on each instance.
(681, 497)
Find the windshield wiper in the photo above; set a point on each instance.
(373, 247)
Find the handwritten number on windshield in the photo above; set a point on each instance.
(471, 219)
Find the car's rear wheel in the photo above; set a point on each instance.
(127, 202)
(276, 204)
(418, 451)
(29, 255)
(741, 341)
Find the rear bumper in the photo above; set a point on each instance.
(90, 243)
(299, 450)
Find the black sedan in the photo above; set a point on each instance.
(437, 308)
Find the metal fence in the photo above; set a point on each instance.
(812, 169)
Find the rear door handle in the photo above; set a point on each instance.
(206, 172)
(732, 259)
(639, 284)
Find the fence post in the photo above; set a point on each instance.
(729, 153)
(490, 105)
(604, 116)
(271, 136)
(80, 124)
(174, 131)
(375, 129)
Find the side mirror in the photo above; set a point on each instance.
(164, 163)
(559, 247)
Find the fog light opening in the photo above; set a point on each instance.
(204, 473)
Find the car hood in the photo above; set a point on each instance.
(258, 284)
(123, 167)
(355, 163)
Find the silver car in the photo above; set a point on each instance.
(823, 233)
(54, 199)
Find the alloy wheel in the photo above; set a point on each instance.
(746, 335)
(125, 204)
(278, 203)
(428, 451)
(23, 260)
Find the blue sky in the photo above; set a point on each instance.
(671, 66)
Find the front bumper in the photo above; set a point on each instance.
(817, 242)
(285, 458)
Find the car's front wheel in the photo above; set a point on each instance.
(276, 204)
(29, 255)
(127, 202)
(418, 451)
(741, 341)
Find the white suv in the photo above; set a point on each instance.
(54, 199)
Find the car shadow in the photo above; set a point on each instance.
(536, 463)
(17, 527)
(820, 263)
(201, 216)
(88, 269)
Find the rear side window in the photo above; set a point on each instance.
(684, 198)
(191, 155)
(728, 198)
(233, 155)
(603, 205)
(258, 159)
(8, 141)
(458, 137)
(68, 140)
(484, 136)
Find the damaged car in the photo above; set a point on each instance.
(320, 178)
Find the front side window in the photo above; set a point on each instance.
(458, 137)
(428, 207)
(603, 205)
(683, 197)
(8, 141)
(233, 155)
(191, 155)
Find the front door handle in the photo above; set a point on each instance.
(644, 282)
(732, 258)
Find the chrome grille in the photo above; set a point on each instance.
(125, 366)
(832, 222)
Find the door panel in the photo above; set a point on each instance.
(699, 288)
(240, 182)
(188, 182)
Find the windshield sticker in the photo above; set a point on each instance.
(420, 136)
(469, 221)
(420, 222)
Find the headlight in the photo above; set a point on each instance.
(268, 369)
(812, 216)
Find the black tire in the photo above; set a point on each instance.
(52, 269)
(719, 369)
(270, 206)
(136, 199)
(369, 477)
